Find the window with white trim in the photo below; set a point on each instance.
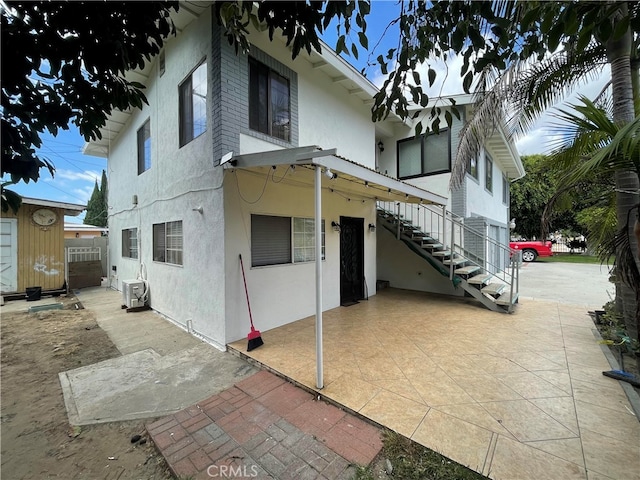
(269, 101)
(427, 154)
(144, 147)
(488, 172)
(167, 242)
(130, 243)
(193, 105)
(472, 167)
(280, 240)
(505, 190)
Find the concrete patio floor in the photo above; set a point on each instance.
(517, 396)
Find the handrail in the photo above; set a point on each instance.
(450, 230)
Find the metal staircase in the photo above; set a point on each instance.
(484, 268)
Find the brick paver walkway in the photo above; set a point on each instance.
(264, 427)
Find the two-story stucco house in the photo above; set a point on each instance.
(276, 160)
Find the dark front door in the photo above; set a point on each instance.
(351, 260)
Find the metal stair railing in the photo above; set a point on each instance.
(461, 240)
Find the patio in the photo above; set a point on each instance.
(511, 396)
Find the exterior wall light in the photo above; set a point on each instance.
(372, 227)
(335, 226)
(381, 146)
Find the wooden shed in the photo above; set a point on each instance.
(32, 247)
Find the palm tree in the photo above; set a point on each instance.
(530, 87)
(593, 144)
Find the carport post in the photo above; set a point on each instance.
(318, 233)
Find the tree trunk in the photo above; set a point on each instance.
(627, 182)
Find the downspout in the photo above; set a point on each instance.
(318, 235)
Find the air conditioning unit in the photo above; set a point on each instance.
(132, 293)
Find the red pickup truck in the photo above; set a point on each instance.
(532, 249)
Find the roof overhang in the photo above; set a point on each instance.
(350, 178)
(505, 152)
(70, 209)
(117, 119)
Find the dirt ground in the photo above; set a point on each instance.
(37, 440)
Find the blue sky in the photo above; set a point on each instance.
(76, 173)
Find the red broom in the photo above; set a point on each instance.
(255, 340)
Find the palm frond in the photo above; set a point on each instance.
(541, 85)
(514, 98)
(620, 247)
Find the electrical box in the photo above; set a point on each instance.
(132, 293)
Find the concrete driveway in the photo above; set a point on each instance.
(574, 283)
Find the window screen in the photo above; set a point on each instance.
(270, 240)
(130, 243)
(427, 154)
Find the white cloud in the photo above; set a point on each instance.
(87, 175)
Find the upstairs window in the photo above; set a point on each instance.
(472, 167)
(505, 190)
(269, 105)
(427, 154)
(488, 172)
(144, 147)
(193, 105)
(130, 243)
(167, 242)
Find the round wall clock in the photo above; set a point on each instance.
(44, 217)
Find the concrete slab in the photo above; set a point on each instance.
(145, 384)
(163, 369)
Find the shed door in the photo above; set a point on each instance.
(8, 255)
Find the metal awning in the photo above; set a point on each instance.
(350, 178)
(338, 175)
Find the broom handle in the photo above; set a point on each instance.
(246, 291)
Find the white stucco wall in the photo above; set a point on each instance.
(403, 268)
(329, 116)
(481, 202)
(280, 294)
(179, 180)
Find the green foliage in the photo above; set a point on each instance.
(530, 195)
(97, 207)
(614, 333)
(413, 461)
(64, 62)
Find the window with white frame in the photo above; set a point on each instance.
(279, 240)
(193, 105)
(130, 243)
(505, 190)
(472, 167)
(144, 147)
(488, 172)
(269, 101)
(427, 154)
(167, 242)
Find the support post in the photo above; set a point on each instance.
(318, 235)
(444, 226)
(398, 218)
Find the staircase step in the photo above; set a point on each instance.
(494, 289)
(468, 270)
(442, 253)
(456, 261)
(430, 243)
(504, 299)
(480, 279)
